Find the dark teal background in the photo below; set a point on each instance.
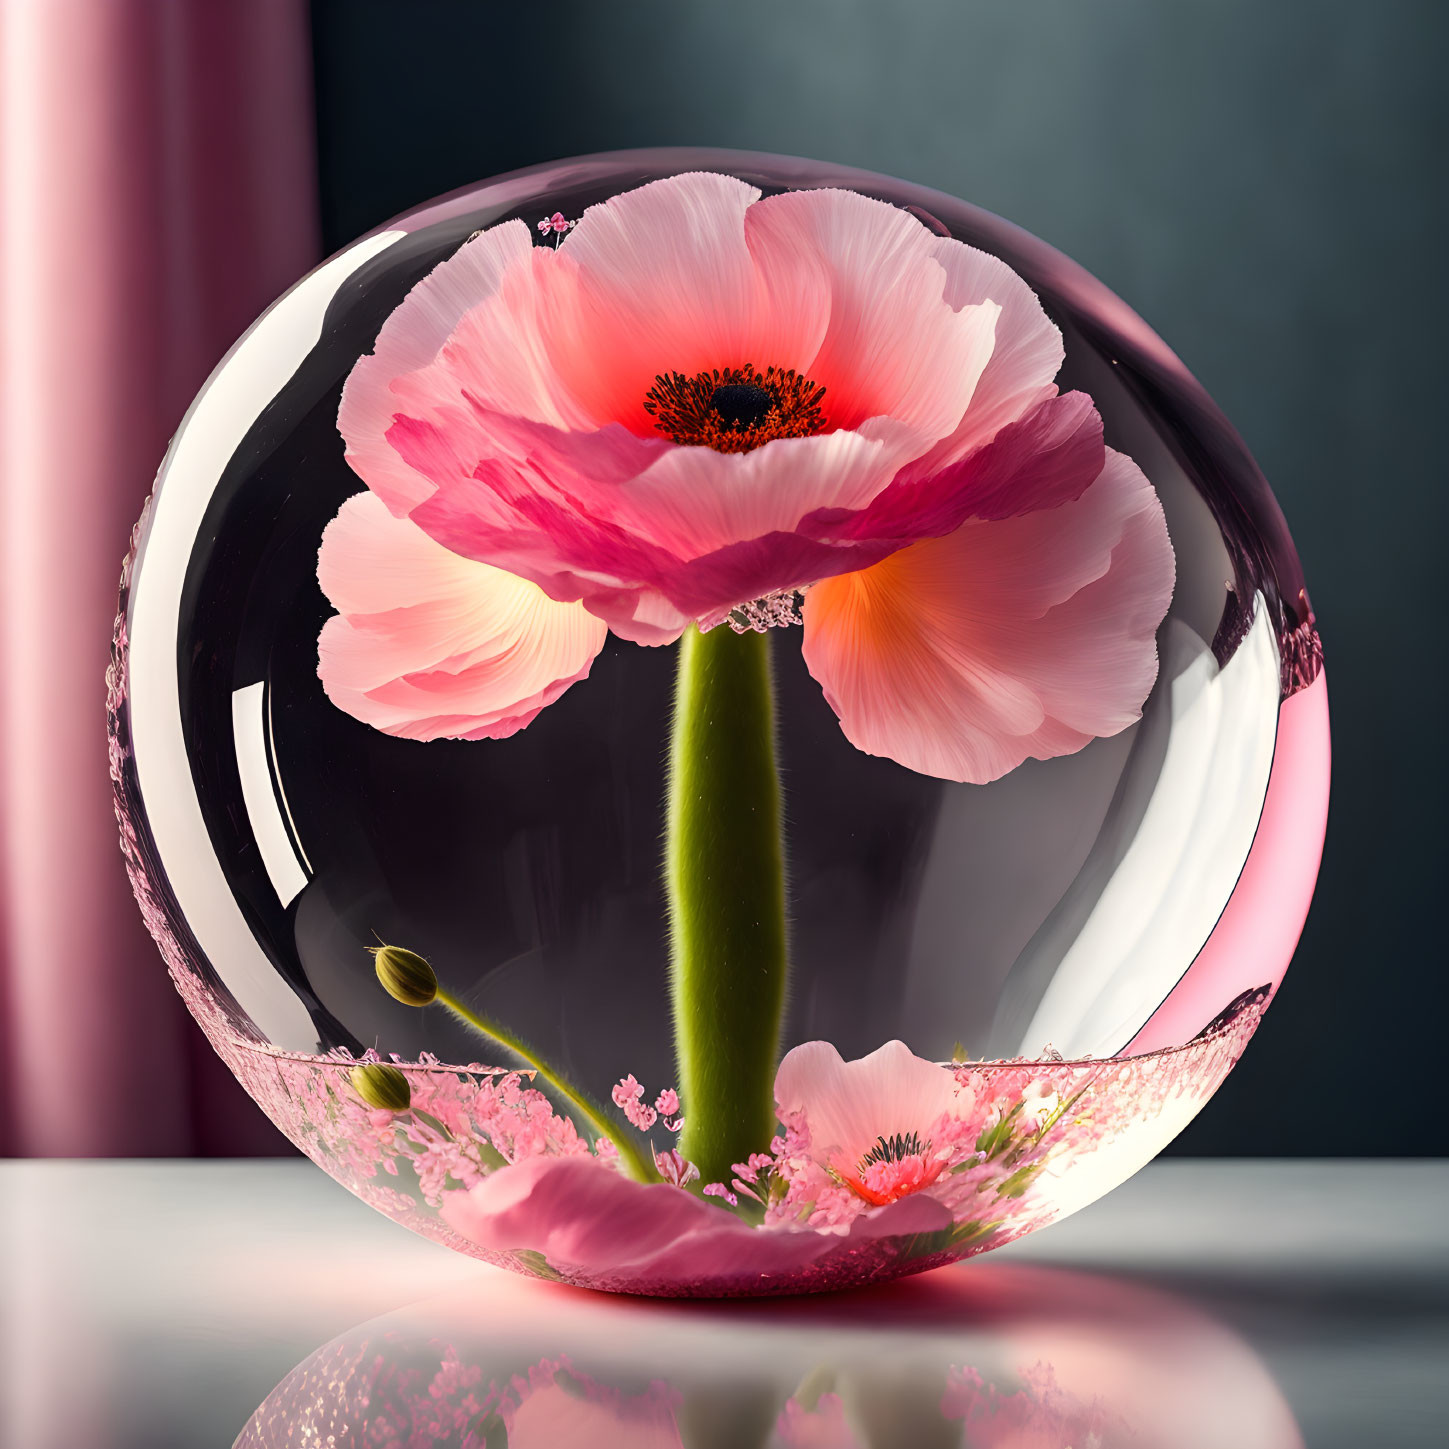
(1263, 180)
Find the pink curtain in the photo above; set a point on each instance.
(157, 190)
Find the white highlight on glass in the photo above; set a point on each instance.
(1159, 892)
(260, 794)
(245, 382)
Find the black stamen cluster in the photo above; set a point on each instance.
(893, 1148)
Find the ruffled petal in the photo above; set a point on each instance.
(409, 340)
(896, 346)
(849, 1106)
(962, 656)
(430, 645)
(591, 1222)
(505, 351)
(668, 282)
(701, 531)
(585, 1217)
(1026, 356)
(1050, 456)
(693, 501)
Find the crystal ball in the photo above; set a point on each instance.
(697, 723)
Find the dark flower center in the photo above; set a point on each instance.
(742, 404)
(736, 409)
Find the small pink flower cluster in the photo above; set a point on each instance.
(629, 1096)
(675, 1168)
(671, 1164)
(555, 226)
(747, 1178)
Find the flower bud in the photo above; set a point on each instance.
(382, 1086)
(405, 975)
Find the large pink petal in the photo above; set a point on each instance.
(689, 501)
(505, 351)
(430, 645)
(668, 282)
(1026, 357)
(696, 534)
(409, 340)
(962, 656)
(645, 593)
(692, 501)
(896, 346)
(849, 1106)
(587, 1219)
(1050, 456)
(584, 1216)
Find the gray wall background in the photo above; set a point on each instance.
(1263, 180)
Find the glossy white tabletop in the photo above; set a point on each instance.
(1204, 1303)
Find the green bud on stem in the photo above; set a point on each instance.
(382, 1086)
(405, 975)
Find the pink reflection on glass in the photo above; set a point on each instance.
(1259, 927)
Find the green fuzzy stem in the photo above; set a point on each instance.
(630, 1154)
(725, 877)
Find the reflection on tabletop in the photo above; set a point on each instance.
(1030, 1358)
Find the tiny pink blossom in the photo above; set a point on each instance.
(675, 1168)
(629, 1098)
(667, 1102)
(740, 1185)
(752, 1168)
(718, 1189)
(674, 1124)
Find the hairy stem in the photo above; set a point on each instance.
(725, 878)
(630, 1154)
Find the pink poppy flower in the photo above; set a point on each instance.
(703, 403)
(885, 1126)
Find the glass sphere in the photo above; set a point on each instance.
(470, 952)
